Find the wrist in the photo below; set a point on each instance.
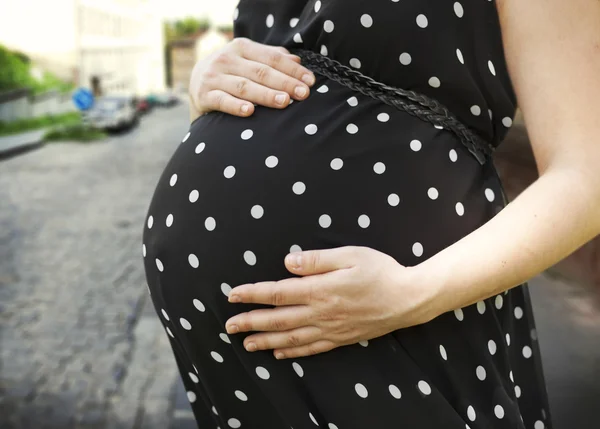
(433, 298)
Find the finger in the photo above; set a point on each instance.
(274, 58)
(320, 346)
(320, 261)
(270, 319)
(273, 340)
(245, 89)
(221, 101)
(292, 291)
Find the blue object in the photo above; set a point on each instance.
(83, 98)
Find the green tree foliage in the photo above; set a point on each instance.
(185, 27)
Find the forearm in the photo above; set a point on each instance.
(552, 218)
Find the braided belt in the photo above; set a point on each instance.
(413, 103)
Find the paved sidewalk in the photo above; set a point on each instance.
(16, 143)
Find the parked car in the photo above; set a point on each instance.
(167, 99)
(112, 112)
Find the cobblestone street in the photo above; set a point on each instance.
(80, 344)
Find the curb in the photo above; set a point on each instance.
(18, 149)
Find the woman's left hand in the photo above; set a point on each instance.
(345, 295)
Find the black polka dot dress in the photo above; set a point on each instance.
(342, 168)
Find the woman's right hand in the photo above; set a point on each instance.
(244, 73)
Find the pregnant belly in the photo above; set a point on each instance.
(336, 169)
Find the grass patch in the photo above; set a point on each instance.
(24, 125)
(74, 132)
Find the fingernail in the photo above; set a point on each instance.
(232, 329)
(251, 347)
(300, 91)
(245, 108)
(308, 79)
(294, 260)
(279, 355)
(235, 298)
(280, 99)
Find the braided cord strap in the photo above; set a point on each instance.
(413, 103)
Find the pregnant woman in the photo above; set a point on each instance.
(347, 260)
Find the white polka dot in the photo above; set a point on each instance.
(164, 313)
(150, 222)
(241, 395)
(492, 68)
(507, 337)
(194, 196)
(295, 248)
(330, 426)
(313, 419)
(499, 301)
(518, 312)
(475, 110)
(234, 423)
(422, 21)
(214, 410)
(364, 343)
(394, 391)
(293, 22)
(405, 58)
(438, 127)
(434, 82)
(490, 113)
(247, 134)
(324, 50)
(216, 356)
(225, 338)
(325, 221)
(489, 195)
(433, 193)
(210, 223)
(538, 425)
(364, 221)
(383, 117)
(185, 324)
(262, 373)
(453, 155)
(144, 250)
(229, 172)
(199, 148)
(471, 413)
(323, 89)
(379, 167)
(310, 129)
(416, 145)
(170, 333)
(460, 209)
(173, 180)
(527, 352)
(481, 307)
(187, 136)
(159, 265)
(298, 369)
(336, 163)
(492, 347)
(424, 387)
(480, 372)
(361, 390)
(417, 249)
(518, 392)
(393, 200)
(270, 20)
(236, 13)
(458, 9)
(193, 260)
(198, 304)
(459, 314)
(499, 411)
(297, 38)
(257, 212)
(443, 352)
(225, 288)
(355, 62)
(366, 20)
(533, 334)
(507, 122)
(351, 129)
(328, 26)
(193, 377)
(352, 101)
(169, 220)
(250, 257)
(298, 188)
(271, 161)
(317, 5)
(460, 57)
(191, 397)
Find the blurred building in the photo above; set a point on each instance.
(106, 45)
